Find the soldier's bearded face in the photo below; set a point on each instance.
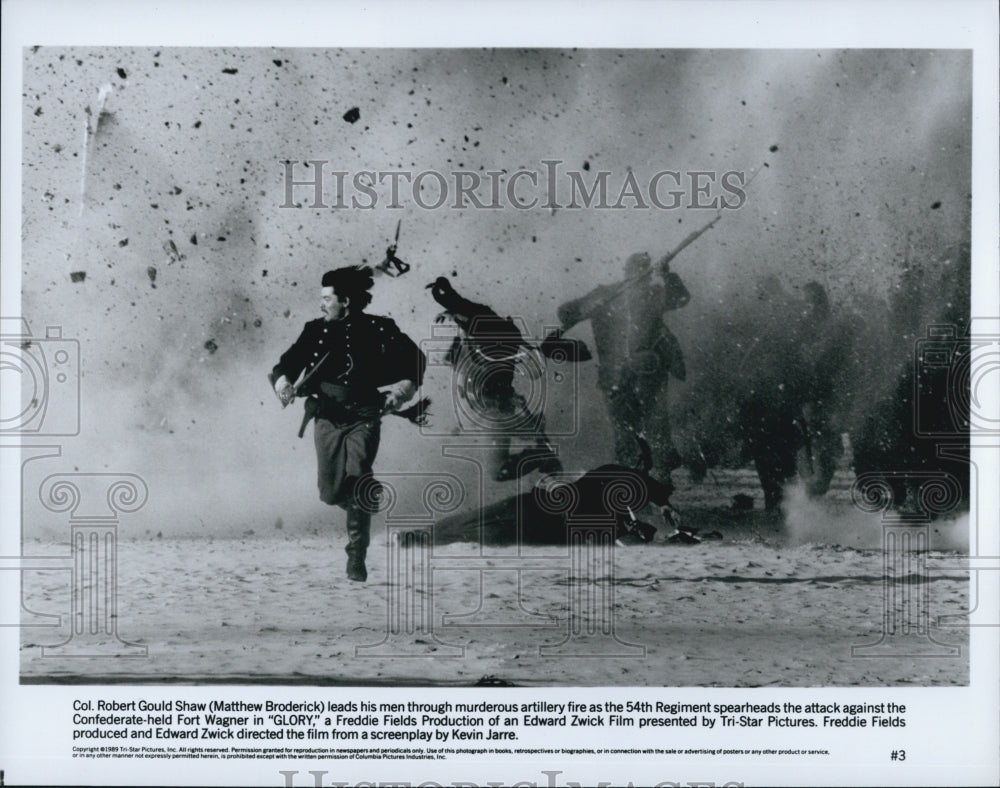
(332, 307)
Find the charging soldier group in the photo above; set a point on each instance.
(354, 367)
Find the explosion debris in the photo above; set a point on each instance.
(173, 254)
(795, 222)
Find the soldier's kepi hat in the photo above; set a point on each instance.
(637, 264)
(444, 293)
(349, 280)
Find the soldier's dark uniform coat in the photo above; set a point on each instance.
(352, 358)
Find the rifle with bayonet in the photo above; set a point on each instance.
(573, 312)
(664, 262)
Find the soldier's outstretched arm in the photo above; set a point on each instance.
(458, 307)
(289, 367)
(398, 394)
(580, 309)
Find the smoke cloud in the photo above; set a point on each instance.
(153, 232)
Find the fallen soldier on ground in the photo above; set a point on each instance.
(610, 494)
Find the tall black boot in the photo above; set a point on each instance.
(359, 524)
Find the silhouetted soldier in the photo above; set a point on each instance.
(636, 352)
(825, 343)
(484, 358)
(357, 367)
(793, 388)
(547, 513)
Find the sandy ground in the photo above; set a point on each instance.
(774, 602)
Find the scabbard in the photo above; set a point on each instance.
(311, 409)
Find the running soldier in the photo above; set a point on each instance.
(356, 367)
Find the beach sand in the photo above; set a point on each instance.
(777, 601)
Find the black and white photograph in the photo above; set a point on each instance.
(553, 408)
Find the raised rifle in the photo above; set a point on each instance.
(575, 311)
(664, 262)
